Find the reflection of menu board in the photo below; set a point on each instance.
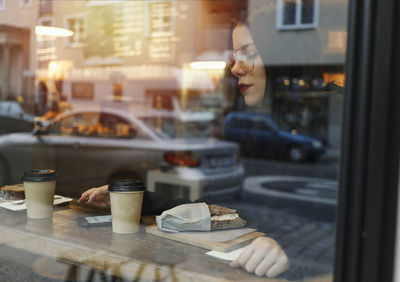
(115, 30)
(161, 16)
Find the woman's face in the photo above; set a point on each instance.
(251, 83)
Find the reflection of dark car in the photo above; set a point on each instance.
(89, 148)
(259, 136)
(13, 118)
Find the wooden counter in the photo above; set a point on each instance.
(132, 257)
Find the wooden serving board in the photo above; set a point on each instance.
(184, 237)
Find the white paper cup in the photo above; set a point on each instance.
(126, 198)
(39, 186)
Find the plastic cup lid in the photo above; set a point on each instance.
(38, 175)
(126, 185)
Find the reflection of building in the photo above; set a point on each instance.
(148, 43)
(17, 22)
(122, 50)
(304, 45)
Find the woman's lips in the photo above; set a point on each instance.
(243, 87)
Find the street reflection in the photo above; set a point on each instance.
(99, 90)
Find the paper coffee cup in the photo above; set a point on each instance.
(126, 198)
(39, 186)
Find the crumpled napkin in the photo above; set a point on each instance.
(187, 217)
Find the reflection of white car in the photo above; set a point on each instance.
(89, 148)
(184, 181)
(13, 118)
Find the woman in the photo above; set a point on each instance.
(247, 62)
(263, 256)
(247, 66)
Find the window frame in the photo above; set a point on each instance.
(46, 18)
(85, 30)
(94, 3)
(298, 25)
(369, 166)
(22, 4)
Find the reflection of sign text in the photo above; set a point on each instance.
(119, 27)
(161, 51)
(45, 47)
(46, 54)
(161, 18)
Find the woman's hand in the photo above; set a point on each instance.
(263, 256)
(97, 197)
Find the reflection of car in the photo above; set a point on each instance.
(170, 126)
(88, 148)
(258, 135)
(13, 118)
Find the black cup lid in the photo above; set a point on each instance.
(126, 185)
(38, 175)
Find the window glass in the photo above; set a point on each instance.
(307, 11)
(78, 26)
(222, 102)
(45, 7)
(26, 3)
(289, 12)
(4, 106)
(293, 14)
(263, 125)
(15, 109)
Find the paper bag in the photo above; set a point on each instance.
(187, 217)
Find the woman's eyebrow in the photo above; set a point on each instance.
(243, 46)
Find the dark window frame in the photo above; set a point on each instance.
(366, 227)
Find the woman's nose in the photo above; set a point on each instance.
(237, 70)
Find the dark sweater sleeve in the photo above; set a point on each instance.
(155, 203)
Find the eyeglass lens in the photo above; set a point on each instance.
(246, 61)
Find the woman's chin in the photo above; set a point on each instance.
(251, 102)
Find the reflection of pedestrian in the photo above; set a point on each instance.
(41, 101)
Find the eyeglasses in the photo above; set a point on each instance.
(244, 56)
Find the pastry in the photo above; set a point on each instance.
(224, 218)
(219, 210)
(12, 192)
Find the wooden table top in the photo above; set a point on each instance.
(136, 256)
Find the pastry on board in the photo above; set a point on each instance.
(224, 218)
(12, 192)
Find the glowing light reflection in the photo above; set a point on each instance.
(209, 65)
(53, 31)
